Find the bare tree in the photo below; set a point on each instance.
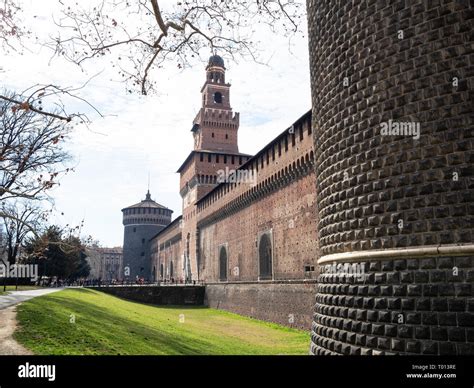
(32, 99)
(11, 29)
(31, 154)
(13, 32)
(20, 218)
(144, 35)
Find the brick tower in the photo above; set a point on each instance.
(215, 126)
(392, 90)
(215, 131)
(141, 222)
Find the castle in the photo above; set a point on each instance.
(248, 223)
(399, 208)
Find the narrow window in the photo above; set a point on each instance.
(265, 256)
(223, 264)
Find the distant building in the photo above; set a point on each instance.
(94, 260)
(112, 263)
(106, 263)
(141, 222)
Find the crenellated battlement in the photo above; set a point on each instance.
(217, 118)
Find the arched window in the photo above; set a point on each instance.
(265, 256)
(222, 263)
(218, 97)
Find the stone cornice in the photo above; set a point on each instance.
(399, 253)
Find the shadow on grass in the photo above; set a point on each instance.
(167, 306)
(170, 306)
(41, 318)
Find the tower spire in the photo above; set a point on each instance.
(148, 196)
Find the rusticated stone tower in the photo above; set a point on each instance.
(141, 222)
(392, 90)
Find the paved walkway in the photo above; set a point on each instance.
(15, 297)
(8, 346)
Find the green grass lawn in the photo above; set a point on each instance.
(107, 325)
(20, 288)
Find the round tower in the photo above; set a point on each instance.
(141, 222)
(393, 121)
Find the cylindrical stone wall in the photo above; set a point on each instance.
(136, 251)
(392, 90)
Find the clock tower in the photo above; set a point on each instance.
(215, 126)
(215, 150)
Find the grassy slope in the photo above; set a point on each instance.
(109, 325)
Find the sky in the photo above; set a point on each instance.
(149, 136)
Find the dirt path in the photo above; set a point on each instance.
(8, 346)
(8, 303)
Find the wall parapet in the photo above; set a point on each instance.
(288, 142)
(276, 182)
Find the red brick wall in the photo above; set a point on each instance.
(167, 247)
(288, 304)
(281, 201)
(286, 208)
(290, 213)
